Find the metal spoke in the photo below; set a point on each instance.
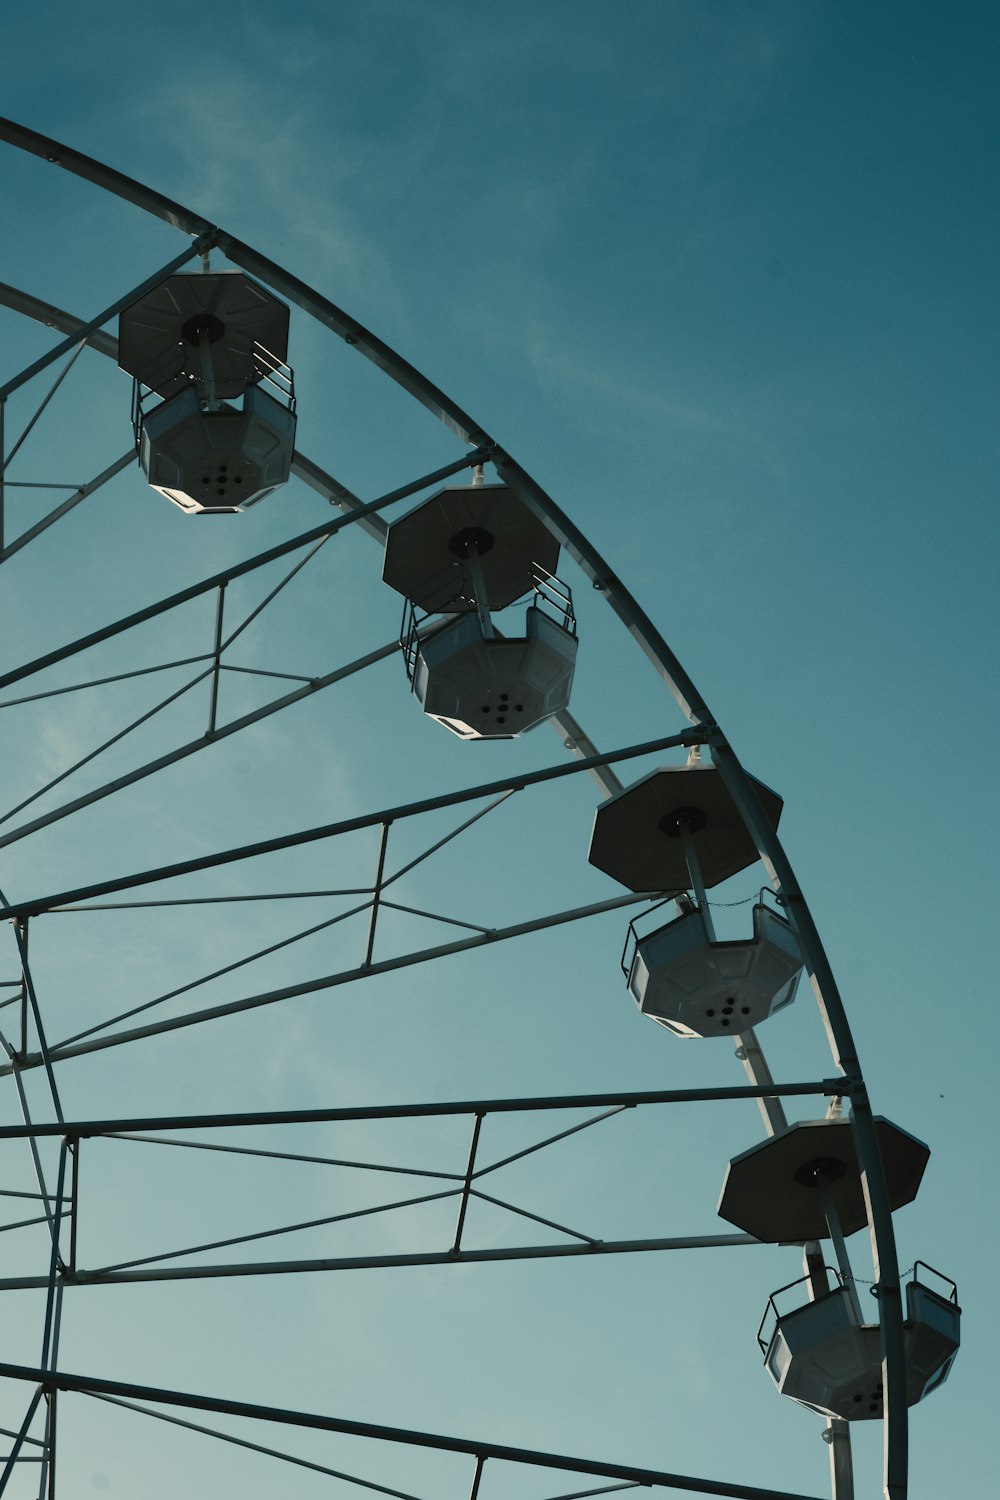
(228, 666)
(563, 1250)
(80, 1129)
(351, 825)
(194, 984)
(550, 1140)
(354, 890)
(12, 1459)
(606, 1489)
(89, 1385)
(28, 1223)
(193, 746)
(44, 402)
(9, 1432)
(21, 938)
(325, 1161)
(78, 687)
(92, 755)
(448, 837)
(269, 598)
(333, 981)
(8, 549)
(227, 1437)
(216, 657)
(433, 916)
(376, 894)
(588, 1239)
(264, 1234)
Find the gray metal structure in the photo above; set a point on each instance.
(749, 806)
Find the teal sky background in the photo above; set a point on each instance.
(723, 278)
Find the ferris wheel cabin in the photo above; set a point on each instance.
(213, 399)
(458, 559)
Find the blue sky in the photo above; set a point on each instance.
(723, 278)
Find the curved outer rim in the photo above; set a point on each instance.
(675, 678)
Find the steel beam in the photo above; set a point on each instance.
(62, 1380)
(22, 909)
(87, 1129)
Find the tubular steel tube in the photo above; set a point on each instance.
(62, 1381)
(87, 1129)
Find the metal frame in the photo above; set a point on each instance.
(463, 1185)
(60, 1380)
(638, 624)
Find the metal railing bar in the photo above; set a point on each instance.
(376, 895)
(323, 1161)
(354, 890)
(90, 756)
(78, 687)
(683, 740)
(226, 1437)
(433, 849)
(87, 1129)
(74, 1146)
(172, 757)
(47, 1472)
(239, 963)
(50, 1331)
(227, 666)
(463, 1207)
(8, 1467)
(44, 402)
(72, 501)
(551, 1140)
(9, 1432)
(122, 1127)
(329, 981)
(433, 916)
(588, 1239)
(266, 1234)
(63, 1380)
(216, 656)
(13, 1066)
(269, 598)
(607, 1489)
(21, 939)
(84, 1277)
(27, 1223)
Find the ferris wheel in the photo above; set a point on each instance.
(300, 884)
